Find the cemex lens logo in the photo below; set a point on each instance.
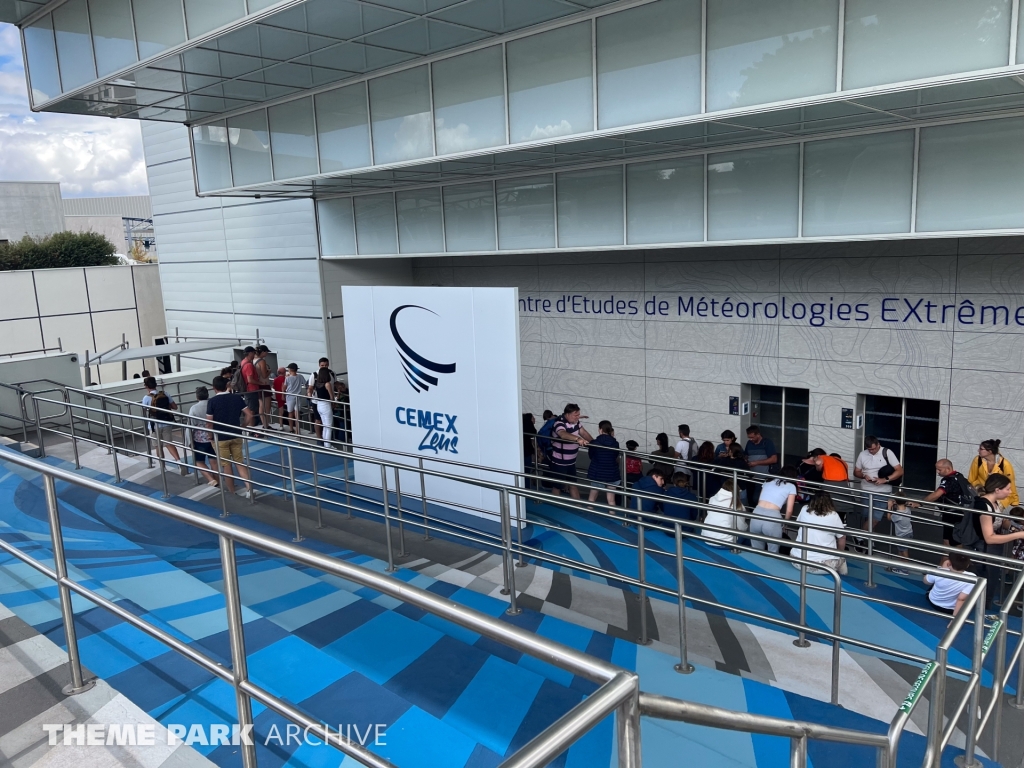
(416, 366)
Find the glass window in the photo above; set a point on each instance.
(400, 111)
(113, 34)
(74, 44)
(753, 194)
(858, 185)
(158, 26)
(212, 163)
(292, 139)
(469, 101)
(343, 128)
(42, 61)
(469, 217)
(550, 84)
(337, 227)
(888, 42)
(526, 213)
(204, 16)
(648, 63)
(375, 224)
(420, 229)
(769, 50)
(971, 176)
(665, 201)
(590, 207)
(249, 141)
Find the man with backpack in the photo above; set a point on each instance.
(878, 469)
(953, 490)
(158, 408)
(686, 449)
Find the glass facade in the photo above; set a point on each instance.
(74, 44)
(469, 101)
(970, 177)
(343, 128)
(293, 139)
(113, 34)
(400, 114)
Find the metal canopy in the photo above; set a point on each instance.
(161, 350)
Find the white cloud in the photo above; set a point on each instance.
(87, 155)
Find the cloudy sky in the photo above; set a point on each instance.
(89, 156)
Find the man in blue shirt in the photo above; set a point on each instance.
(653, 484)
(679, 492)
(762, 456)
(226, 412)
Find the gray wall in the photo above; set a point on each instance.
(30, 208)
(81, 309)
(111, 227)
(230, 266)
(649, 373)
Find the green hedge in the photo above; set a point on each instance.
(63, 249)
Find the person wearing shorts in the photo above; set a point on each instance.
(603, 472)
(870, 462)
(225, 413)
(202, 441)
(294, 387)
(567, 437)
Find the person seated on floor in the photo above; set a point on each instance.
(947, 594)
(679, 491)
(653, 484)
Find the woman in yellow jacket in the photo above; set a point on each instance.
(989, 462)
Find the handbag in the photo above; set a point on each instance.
(886, 471)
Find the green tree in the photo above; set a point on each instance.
(63, 249)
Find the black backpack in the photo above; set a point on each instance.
(160, 408)
(968, 493)
(964, 532)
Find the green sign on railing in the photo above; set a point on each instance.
(993, 631)
(918, 687)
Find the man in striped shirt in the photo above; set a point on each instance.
(566, 438)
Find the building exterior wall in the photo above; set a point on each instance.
(30, 208)
(656, 368)
(111, 227)
(230, 266)
(79, 310)
(133, 206)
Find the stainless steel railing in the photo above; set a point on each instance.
(504, 542)
(618, 691)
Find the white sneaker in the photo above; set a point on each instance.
(251, 495)
(183, 468)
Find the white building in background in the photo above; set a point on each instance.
(806, 215)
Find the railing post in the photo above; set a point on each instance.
(871, 541)
(520, 563)
(280, 449)
(684, 666)
(295, 499)
(997, 684)
(67, 611)
(968, 759)
(401, 521)
(316, 491)
(936, 712)
(627, 731)
(423, 500)
(1017, 702)
(160, 460)
(71, 427)
(641, 549)
(40, 437)
(801, 640)
(837, 618)
(798, 752)
(510, 571)
(387, 517)
(348, 492)
(221, 474)
(236, 635)
(113, 448)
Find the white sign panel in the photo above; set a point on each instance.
(435, 372)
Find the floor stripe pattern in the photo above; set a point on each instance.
(350, 656)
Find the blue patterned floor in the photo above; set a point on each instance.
(349, 655)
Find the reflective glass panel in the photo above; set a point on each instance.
(754, 193)
(769, 50)
(550, 84)
(74, 45)
(113, 33)
(469, 217)
(42, 61)
(888, 42)
(590, 207)
(665, 201)
(420, 229)
(858, 185)
(204, 16)
(375, 224)
(292, 139)
(158, 26)
(526, 213)
(971, 176)
(469, 101)
(648, 63)
(212, 163)
(249, 141)
(337, 227)
(343, 130)
(400, 111)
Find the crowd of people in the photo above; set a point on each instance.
(819, 490)
(247, 395)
